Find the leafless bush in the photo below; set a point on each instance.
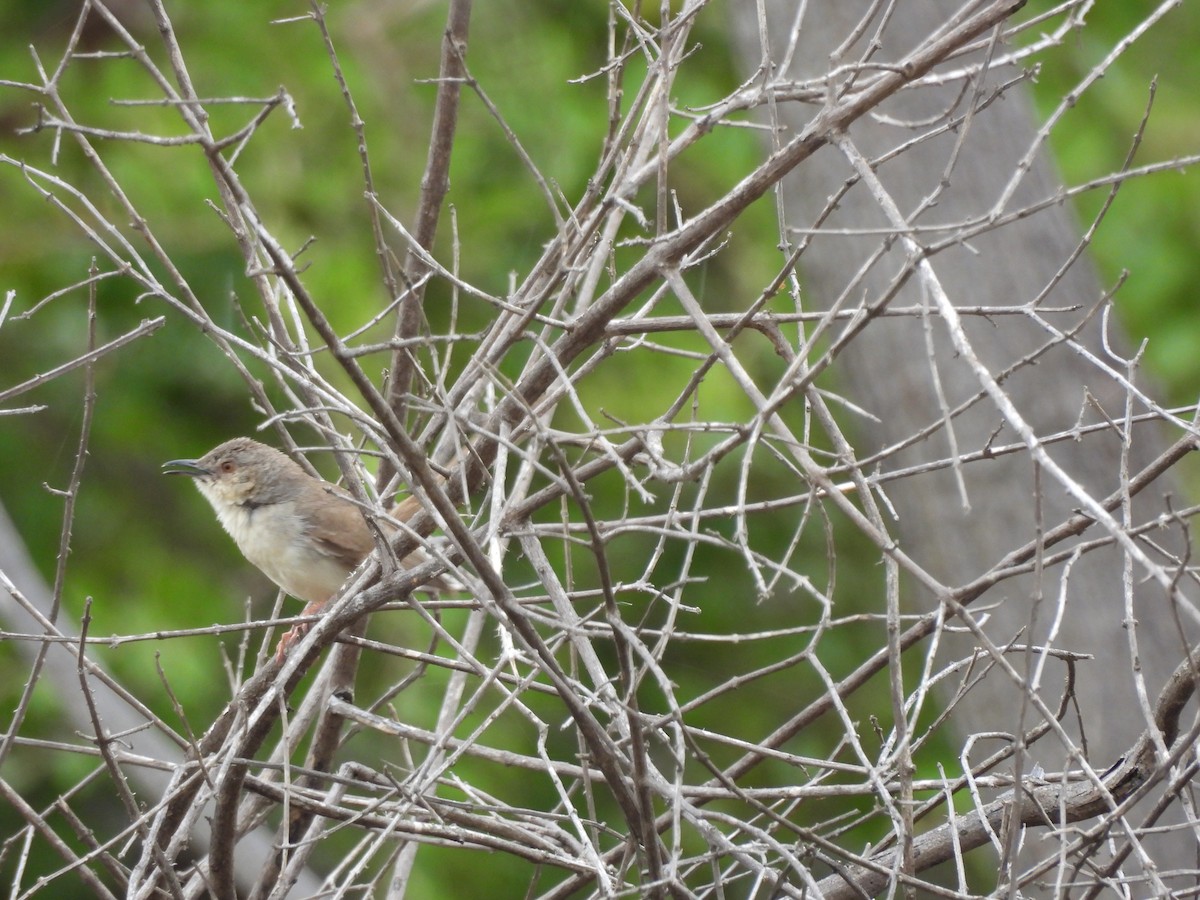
(812, 745)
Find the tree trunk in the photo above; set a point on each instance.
(890, 371)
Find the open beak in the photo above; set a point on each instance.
(190, 467)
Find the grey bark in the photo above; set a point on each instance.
(887, 371)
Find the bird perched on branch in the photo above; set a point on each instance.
(305, 534)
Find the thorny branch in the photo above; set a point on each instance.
(718, 657)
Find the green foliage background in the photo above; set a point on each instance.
(145, 549)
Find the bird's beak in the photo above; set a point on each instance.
(190, 467)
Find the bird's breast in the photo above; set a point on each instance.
(275, 539)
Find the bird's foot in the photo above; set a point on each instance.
(296, 632)
(292, 635)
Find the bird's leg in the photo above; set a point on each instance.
(298, 630)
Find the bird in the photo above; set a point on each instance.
(304, 533)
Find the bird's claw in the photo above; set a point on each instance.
(294, 634)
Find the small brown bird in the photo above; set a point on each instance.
(304, 533)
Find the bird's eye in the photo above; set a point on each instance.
(227, 466)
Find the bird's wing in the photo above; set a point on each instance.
(339, 530)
